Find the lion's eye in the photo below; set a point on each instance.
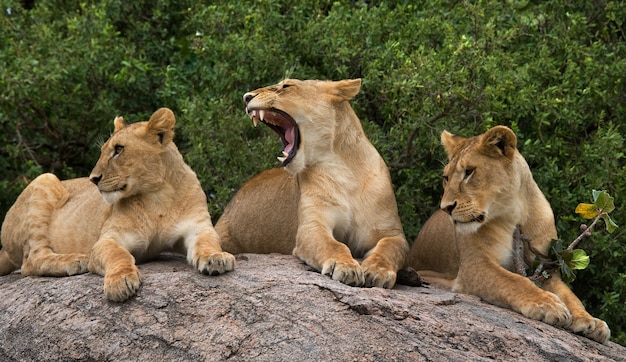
(468, 172)
(286, 85)
(117, 150)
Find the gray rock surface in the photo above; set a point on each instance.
(271, 308)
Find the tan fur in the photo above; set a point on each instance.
(335, 200)
(488, 191)
(262, 218)
(154, 203)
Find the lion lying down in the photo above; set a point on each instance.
(488, 191)
(153, 202)
(333, 200)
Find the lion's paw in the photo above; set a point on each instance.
(549, 309)
(379, 277)
(216, 263)
(78, 265)
(122, 283)
(349, 273)
(592, 328)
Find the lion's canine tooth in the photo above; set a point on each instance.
(255, 121)
(261, 115)
(283, 157)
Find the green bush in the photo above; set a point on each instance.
(554, 71)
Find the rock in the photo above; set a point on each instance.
(271, 308)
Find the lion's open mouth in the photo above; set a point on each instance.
(282, 124)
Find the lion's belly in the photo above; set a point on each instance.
(76, 226)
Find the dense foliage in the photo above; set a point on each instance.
(554, 71)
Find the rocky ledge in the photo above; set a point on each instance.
(271, 308)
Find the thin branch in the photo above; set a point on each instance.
(408, 152)
(586, 230)
(518, 252)
(25, 145)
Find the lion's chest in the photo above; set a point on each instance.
(357, 222)
(497, 243)
(146, 235)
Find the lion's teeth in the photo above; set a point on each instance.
(261, 115)
(283, 157)
(255, 121)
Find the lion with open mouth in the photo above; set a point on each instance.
(332, 201)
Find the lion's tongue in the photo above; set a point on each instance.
(290, 136)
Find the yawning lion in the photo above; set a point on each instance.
(333, 199)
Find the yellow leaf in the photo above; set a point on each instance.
(588, 211)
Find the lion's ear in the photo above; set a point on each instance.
(450, 142)
(119, 123)
(499, 140)
(347, 89)
(162, 124)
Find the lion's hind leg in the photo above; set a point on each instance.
(28, 222)
(582, 322)
(6, 264)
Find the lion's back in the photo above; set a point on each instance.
(70, 213)
(262, 217)
(77, 224)
(435, 247)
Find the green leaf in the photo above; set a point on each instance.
(565, 255)
(587, 211)
(567, 274)
(579, 261)
(610, 224)
(596, 194)
(602, 200)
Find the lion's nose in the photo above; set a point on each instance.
(95, 179)
(248, 97)
(449, 208)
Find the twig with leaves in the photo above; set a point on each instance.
(567, 259)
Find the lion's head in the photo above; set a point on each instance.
(300, 110)
(131, 161)
(483, 178)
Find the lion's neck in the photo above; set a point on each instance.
(537, 218)
(350, 142)
(178, 173)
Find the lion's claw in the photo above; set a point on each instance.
(349, 273)
(121, 285)
(216, 263)
(378, 277)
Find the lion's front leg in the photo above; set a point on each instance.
(318, 249)
(582, 322)
(121, 276)
(382, 263)
(499, 286)
(206, 255)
